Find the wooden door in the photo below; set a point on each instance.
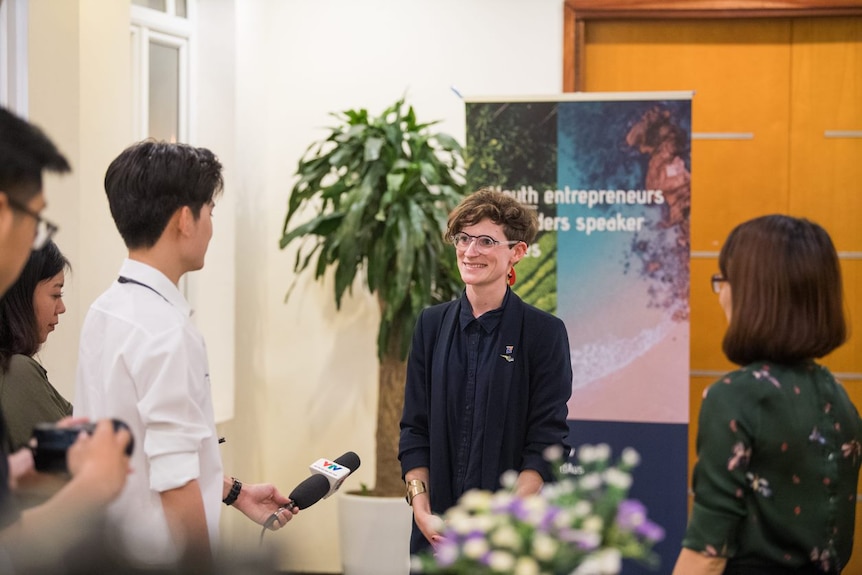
(777, 127)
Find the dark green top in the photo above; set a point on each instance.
(28, 398)
(778, 462)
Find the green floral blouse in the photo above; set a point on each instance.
(778, 462)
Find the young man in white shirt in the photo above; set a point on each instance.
(142, 360)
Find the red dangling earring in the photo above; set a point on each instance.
(511, 276)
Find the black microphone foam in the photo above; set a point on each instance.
(314, 488)
(349, 460)
(309, 492)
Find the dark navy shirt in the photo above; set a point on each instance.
(470, 363)
(522, 379)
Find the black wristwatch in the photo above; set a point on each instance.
(234, 492)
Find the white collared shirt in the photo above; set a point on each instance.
(142, 360)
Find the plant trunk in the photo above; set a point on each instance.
(390, 402)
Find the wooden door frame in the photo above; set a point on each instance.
(576, 14)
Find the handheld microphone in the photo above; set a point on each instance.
(309, 492)
(327, 477)
(335, 471)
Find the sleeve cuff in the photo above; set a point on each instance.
(173, 470)
(538, 464)
(710, 531)
(413, 459)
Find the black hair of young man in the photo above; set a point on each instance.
(151, 180)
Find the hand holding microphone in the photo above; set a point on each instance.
(327, 476)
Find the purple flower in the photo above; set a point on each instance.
(631, 514)
(446, 553)
(547, 522)
(650, 531)
(519, 510)
(584, 540)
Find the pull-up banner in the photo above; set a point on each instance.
(609, 175)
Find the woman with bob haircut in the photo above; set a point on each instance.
(778, 445)
(29, 311)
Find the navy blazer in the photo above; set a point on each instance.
(527, 404)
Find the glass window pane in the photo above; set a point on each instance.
(154, 4)
(181, 9)
(164, 108)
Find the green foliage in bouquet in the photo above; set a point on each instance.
(583, 524)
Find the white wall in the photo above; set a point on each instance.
(212, 290)
(80, 94)
(308, 374)
(305, 373)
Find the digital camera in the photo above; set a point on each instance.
(52, 443)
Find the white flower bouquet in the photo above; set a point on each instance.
(582, 524)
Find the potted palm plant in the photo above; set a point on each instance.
(380, 189)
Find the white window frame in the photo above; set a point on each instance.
(147, 26)
(163, 28)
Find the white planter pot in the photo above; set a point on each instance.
(375, 534)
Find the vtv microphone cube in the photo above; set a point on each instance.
(333, 472)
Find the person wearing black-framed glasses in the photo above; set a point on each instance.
(25, 152)
(779, 442)
(41, 535)
(716, 282)
(488, 376)
(45, 229)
